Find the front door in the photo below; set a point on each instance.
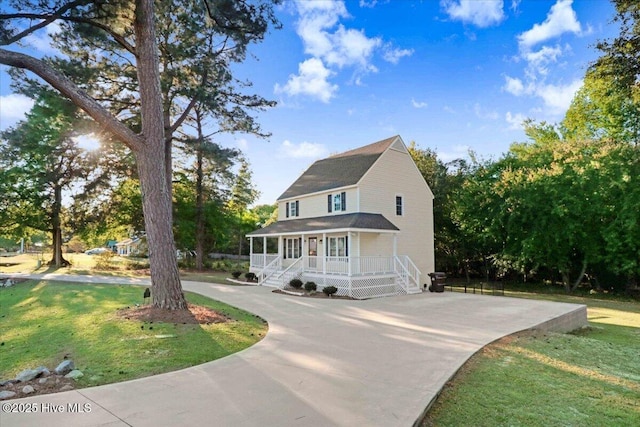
(313, 253)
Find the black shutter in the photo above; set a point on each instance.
(284, 241)
(346, 244)
(297, 207)
(287, 210)
(343, 200)
(329, 203)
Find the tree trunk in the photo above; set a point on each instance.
(566, 280)
(199, 196)
(57, 260)
(156, 198)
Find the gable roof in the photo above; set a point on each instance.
(358, 220)
(339, 170)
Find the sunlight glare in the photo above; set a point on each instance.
(88, 142)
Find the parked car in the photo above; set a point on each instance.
(97, 251)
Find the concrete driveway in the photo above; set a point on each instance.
(377, 362)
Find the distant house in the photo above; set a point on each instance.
(129, 247)
(361, 221)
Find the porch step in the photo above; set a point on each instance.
(272, 282)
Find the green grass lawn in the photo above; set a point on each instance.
(42, 322)
(82, 264)
(588, 378)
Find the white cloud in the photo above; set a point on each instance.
(514, 86)
(394, 55)
(560, 19)
(13, 108)
(352, 47)
(557, 98)
(340, 47)
(41, 40)
(515, 120)
(456, 152)
(370, 4)
(333, 47)
(302, 150)
(485, 114)
(242, 144)
(417, 104)
(311, 80)
(449, 109)
(538, 61)
(481, 13)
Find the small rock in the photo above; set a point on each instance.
(74, 375)
(43, 380)
(6, 394)
(28, 389)
(64, 367)
(66, 387)
(44, 370)
(29, 374)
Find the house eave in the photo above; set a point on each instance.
(324, 231)
(329, 190)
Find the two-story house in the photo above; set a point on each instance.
(361, 221)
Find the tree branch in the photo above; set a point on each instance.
(75, 94)
(46, 19)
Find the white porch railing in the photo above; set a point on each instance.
(273, 267)
(294, 271)
(407, 272)
(363, 272)
(262, 260)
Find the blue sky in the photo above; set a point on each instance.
(450, 75)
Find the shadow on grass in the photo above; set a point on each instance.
(53, 320)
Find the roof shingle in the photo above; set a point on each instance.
(339, 170)
(362, 221)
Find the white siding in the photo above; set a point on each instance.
(376, 244)
(316, 204)
(395, 174)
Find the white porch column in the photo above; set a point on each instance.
(279, 246)
(325, 245)
(251, 251)
(264, 249)
(350, 252)
(395, 245)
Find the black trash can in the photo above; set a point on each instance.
(438, 280)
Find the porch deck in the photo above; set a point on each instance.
(357, 277)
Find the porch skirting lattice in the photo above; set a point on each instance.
(358, 287)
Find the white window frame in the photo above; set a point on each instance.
(293, 248)
(337, 246)
(399, 197)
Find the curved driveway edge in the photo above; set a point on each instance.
(376, 362)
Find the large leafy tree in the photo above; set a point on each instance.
(41, 160)
(125, 35)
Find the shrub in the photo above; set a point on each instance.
(295, 283)
(250, 277)
(329, 290)
(104, 262)
(136, 265)
(310, 286)
(236, 274)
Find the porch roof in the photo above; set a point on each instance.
(360, 221)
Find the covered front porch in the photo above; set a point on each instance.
(359, 262)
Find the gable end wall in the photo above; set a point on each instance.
(396, 174)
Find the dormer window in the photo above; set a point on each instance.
(337, 202)
(292, 209)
